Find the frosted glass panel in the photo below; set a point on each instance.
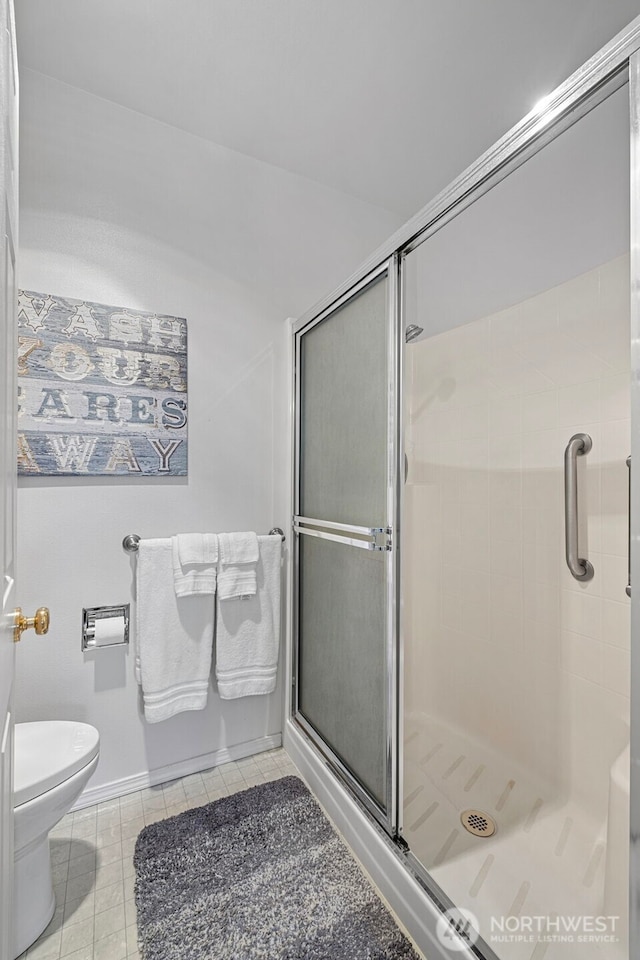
(343, 429)
(342, 654)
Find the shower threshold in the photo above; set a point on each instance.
(537, 885)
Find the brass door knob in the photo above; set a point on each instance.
(40, 622)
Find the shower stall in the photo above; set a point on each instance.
(467, 413)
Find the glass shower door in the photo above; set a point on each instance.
(345, 481)
(516, 693)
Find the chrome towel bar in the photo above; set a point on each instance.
(131, 541)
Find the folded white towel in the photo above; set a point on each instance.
(238, 547)
(173, 637)
(195, 559)
(237, 567)
(198, 549)
(248, 631)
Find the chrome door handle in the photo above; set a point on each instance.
(578, 446)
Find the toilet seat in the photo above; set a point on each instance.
(48, 753)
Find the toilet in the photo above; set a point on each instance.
(53, 761)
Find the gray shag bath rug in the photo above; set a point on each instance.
(260, 874)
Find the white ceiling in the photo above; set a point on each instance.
(558, 216)
(386, 101)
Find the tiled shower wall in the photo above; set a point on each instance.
(501, 642)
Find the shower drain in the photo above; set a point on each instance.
(479, 823)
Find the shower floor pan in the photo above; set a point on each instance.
(546, 859)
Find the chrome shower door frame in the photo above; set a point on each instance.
(634, 518)
(614, 66)
(358, 536)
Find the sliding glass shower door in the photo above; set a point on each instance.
(489, 727)
(515, 551)
(346, 422)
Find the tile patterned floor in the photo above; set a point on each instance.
(92, 856)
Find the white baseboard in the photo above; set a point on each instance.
(412, 906)
(150, 778)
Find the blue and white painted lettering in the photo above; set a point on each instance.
(102, 390)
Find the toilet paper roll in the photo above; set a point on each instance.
(108, 630)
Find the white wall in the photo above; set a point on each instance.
(503, 644)
(120, 209)
(533, 661)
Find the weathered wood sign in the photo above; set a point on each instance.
(101, 390)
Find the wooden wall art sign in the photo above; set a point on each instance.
(102, 391)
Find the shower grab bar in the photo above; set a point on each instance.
(579, 445)
(132, 540)
(627, 589)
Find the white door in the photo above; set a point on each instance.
(8, 325)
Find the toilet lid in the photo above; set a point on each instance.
(49, 752)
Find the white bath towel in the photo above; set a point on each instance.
(248, 631)
(238, 554)
(195, 561)
(174, 637)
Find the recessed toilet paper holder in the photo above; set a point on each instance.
(114, 633)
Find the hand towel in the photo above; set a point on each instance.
(174, 637)
(198, 549)
(195, 559)
(248, 631)
(237, 565)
